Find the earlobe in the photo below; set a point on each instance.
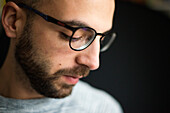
(9, 18)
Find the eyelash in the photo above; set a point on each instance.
(67, 38)
(64, 36)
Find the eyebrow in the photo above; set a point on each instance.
(76, 23)
(82, 24)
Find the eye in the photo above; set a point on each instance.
(74, 39)
(64, 36)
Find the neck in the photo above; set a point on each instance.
(13, 81)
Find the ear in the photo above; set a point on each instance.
(11, 19)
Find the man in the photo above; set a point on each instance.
(53, 44)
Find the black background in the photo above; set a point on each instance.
(135, 68)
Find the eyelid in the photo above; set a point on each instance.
(64, 36)
(68, 37)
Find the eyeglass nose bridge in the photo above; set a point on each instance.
(100, 34)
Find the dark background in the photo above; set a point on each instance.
(135, 68)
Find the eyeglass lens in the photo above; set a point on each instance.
(82, 38)
(107, 41)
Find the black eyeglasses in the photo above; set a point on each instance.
(81, 37)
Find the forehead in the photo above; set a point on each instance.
(97, 14)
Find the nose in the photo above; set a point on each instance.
(90, 56)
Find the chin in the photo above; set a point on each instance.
(52, 89)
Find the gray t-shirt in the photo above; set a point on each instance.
(84, 99)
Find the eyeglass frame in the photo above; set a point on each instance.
(73, 29)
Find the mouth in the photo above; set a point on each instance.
(72, 80)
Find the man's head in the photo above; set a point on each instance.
(41, 54)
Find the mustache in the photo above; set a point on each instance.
(75, 71)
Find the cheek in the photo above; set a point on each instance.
(57, 52)
(49, 45)
(51, 48)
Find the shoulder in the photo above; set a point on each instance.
(95, 99)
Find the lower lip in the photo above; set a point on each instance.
(71, 80)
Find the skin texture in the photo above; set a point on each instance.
(38, 58)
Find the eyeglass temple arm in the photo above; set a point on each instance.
(46, 17)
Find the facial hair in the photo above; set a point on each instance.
(36, 68)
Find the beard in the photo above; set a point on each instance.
(36, 68)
